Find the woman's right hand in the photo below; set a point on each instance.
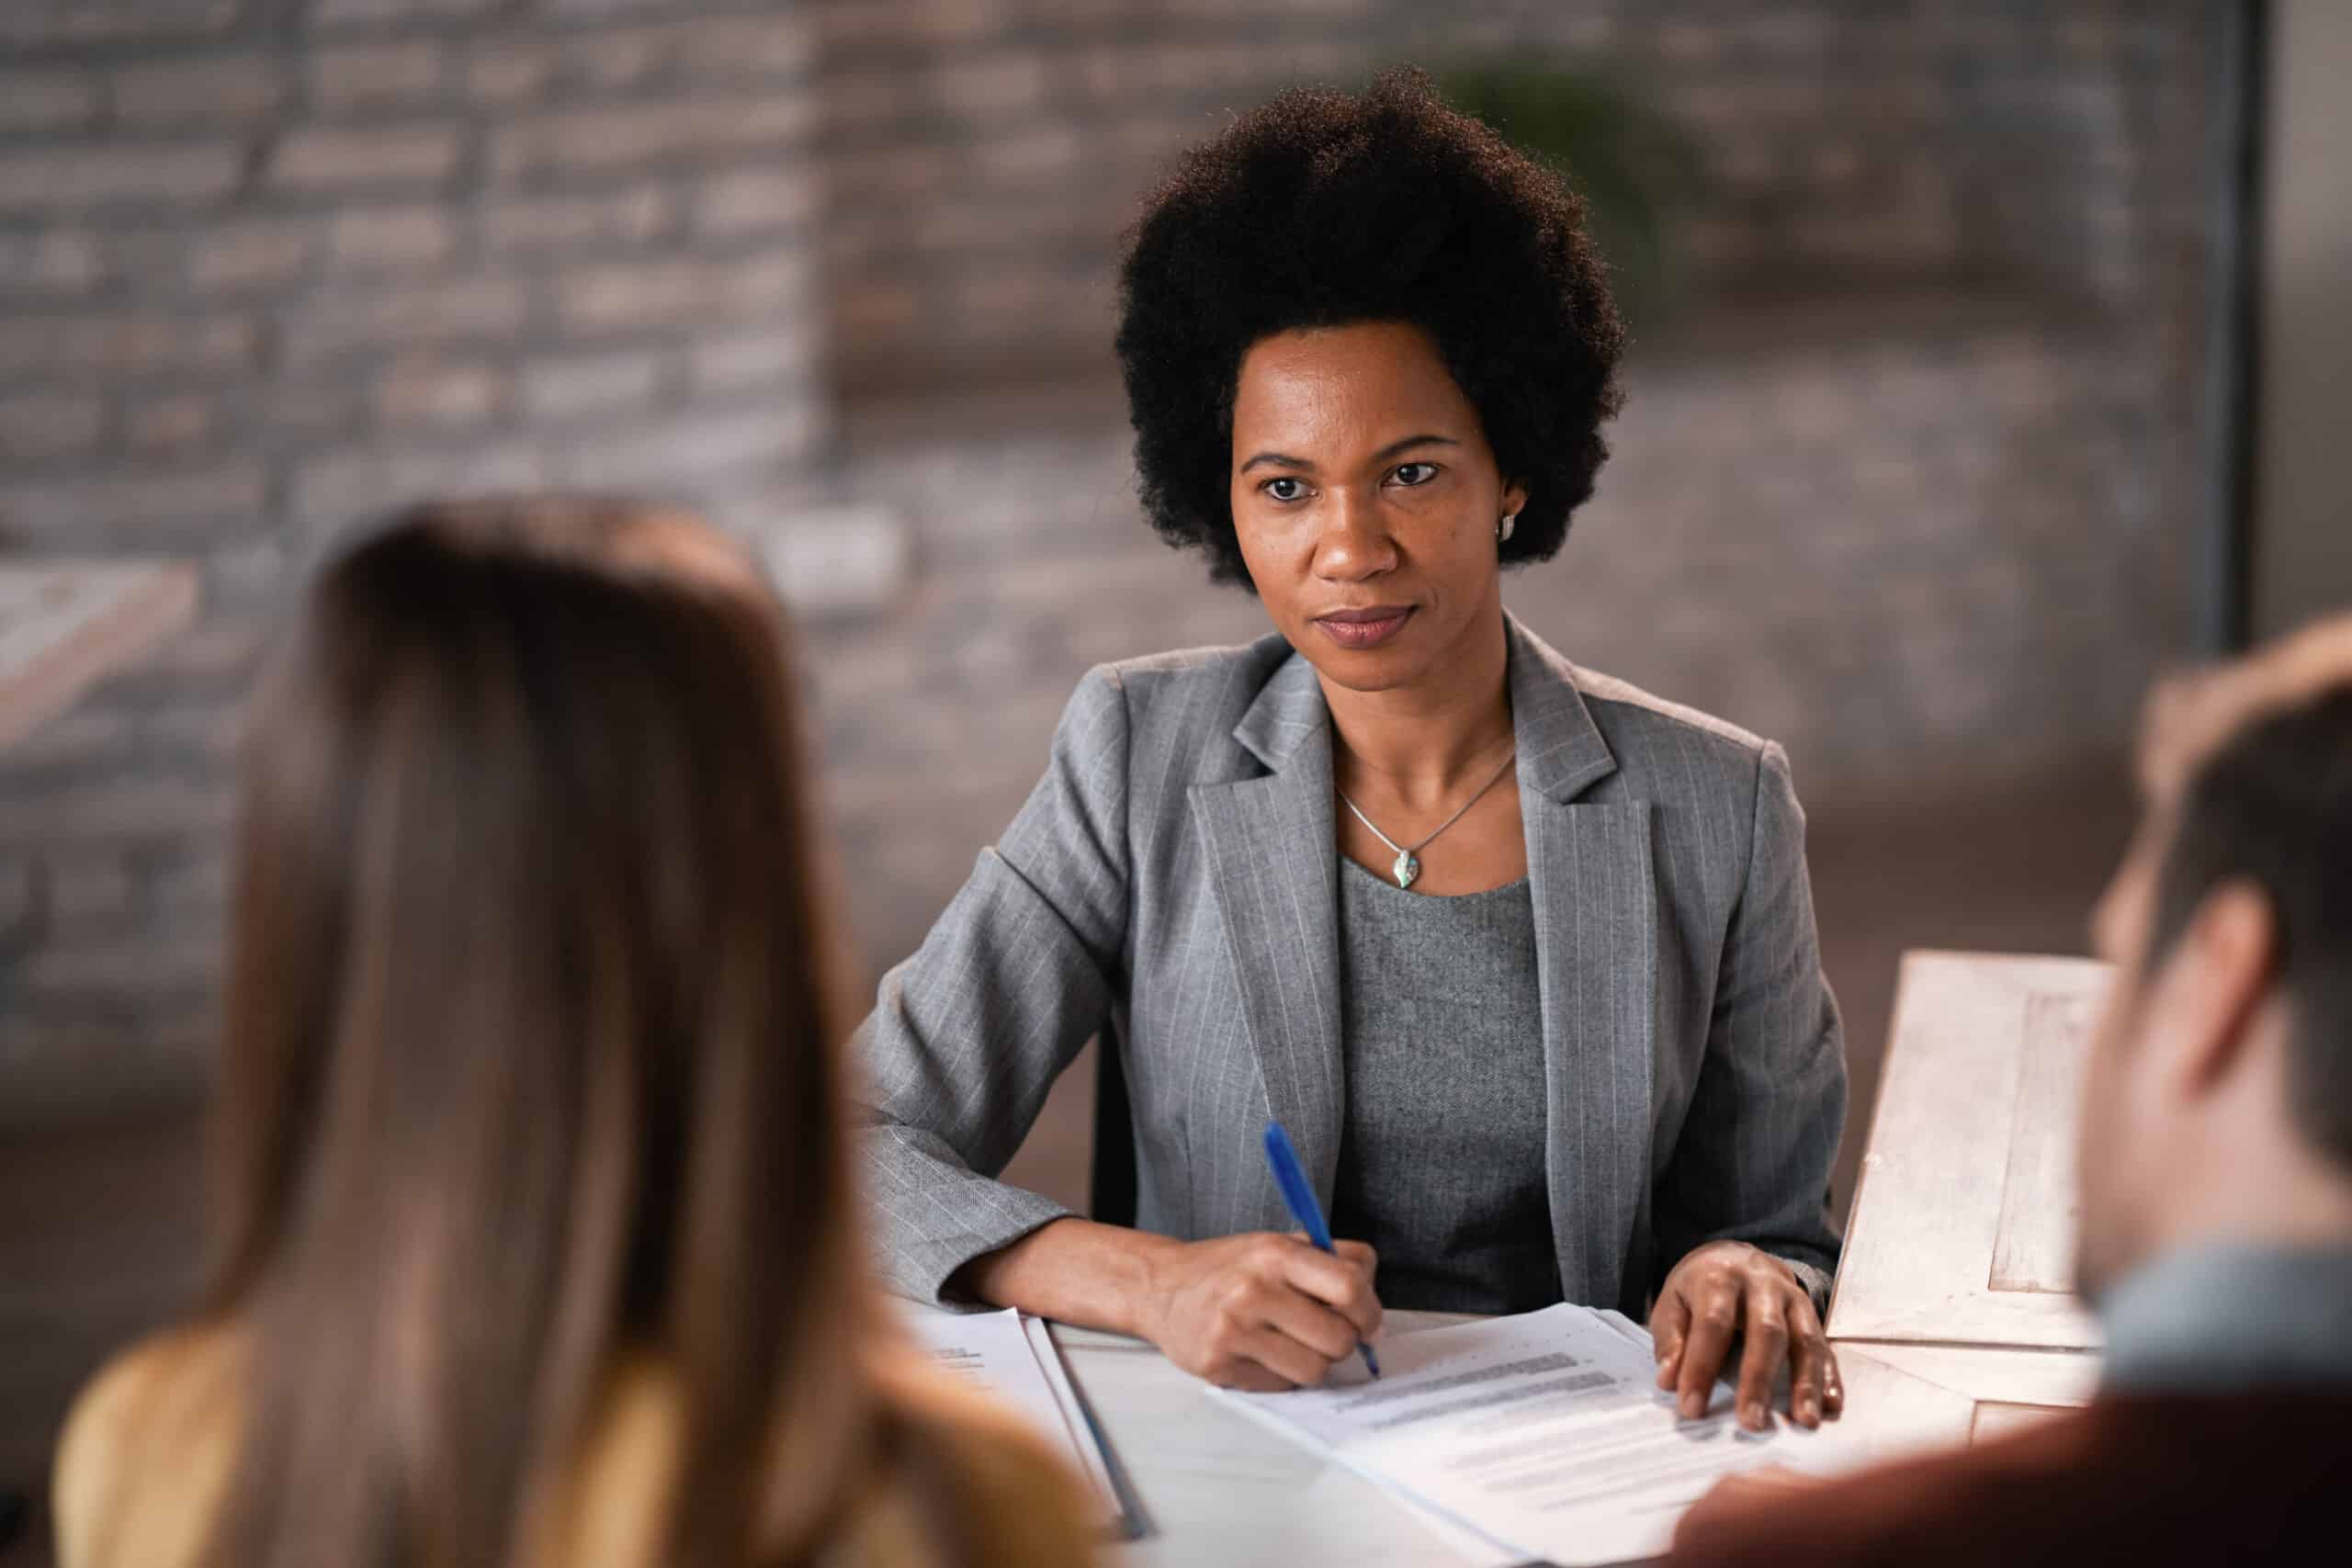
(1259, 1311)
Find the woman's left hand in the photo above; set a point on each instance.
(1728, 1291)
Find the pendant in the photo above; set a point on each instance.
(1406, 868)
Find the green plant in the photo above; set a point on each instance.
(1638, 171)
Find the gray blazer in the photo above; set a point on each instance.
(1172, 885)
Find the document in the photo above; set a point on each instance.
(1013, 1356)
(1544, 1434)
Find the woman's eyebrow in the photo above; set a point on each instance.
(1284, 460)
(1395, 447)
(1276, 459)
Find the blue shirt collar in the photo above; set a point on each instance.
(2231, 1318)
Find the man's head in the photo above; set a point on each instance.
(2219, 1103)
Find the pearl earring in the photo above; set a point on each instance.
(1503, 528)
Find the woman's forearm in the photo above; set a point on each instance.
(1256, 1310)
(1073, 1270)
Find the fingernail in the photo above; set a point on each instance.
(1752, 1414)
(1694, 1405)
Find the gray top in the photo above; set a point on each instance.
(2231, 1319)
(1442, 1147)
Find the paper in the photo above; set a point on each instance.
(1073, 1414)
(1012, 1357)
(1544, 1433)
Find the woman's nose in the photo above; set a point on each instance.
(1354, 542)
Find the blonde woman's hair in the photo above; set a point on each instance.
(531, 1058)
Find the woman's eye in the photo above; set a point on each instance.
(1414, 473)
(1285, 489)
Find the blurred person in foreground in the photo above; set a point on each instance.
(2216, 1171)
(539, 1247)
(1522, 957)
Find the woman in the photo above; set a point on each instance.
(540, 1247)
(1523, 958)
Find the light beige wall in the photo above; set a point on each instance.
(2302, 545)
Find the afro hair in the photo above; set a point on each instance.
(1324, 207)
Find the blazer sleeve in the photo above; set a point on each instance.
(1754, 1158)
(969, 1035)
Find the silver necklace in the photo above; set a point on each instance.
(1408, 857)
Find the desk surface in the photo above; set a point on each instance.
(1221, 1489)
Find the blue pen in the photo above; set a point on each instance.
(1304, 1208)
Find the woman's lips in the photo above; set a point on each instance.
(1365, 628)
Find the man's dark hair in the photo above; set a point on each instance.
(2273, 807)
(1326, 208)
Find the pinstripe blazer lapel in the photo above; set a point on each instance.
(1272, 863)
(1590, 873)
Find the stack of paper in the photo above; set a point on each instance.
(1013, 1356)
(1544, 1435)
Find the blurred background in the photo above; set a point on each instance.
(1986, 359)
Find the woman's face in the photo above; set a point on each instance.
(1366, 501)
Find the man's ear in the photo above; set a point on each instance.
(2214, 983)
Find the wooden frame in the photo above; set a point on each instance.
(1913, 1398)
(66, 624)
(1962, 1229)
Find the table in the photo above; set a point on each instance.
(66, 624)
(1221, 1489)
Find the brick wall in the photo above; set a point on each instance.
(267, 267)
(988, 153)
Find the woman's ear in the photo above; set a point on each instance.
(1514, 497)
